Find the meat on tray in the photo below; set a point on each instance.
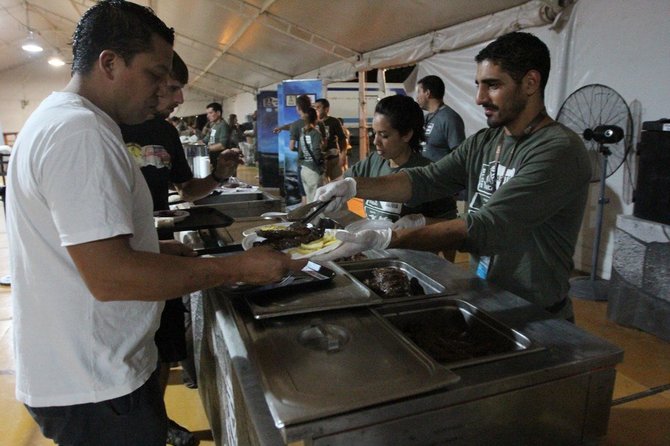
(393, 282)
(289, 237)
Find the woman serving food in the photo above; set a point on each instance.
(398, 127)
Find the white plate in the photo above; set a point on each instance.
(248, 243)
(253, 230)
(176, 215)
(360, 225)
(232, 190)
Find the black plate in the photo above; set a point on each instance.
(313, 275)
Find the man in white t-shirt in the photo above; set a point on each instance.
(88, 278)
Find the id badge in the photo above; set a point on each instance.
(483, 267)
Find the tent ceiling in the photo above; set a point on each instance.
(234, 46)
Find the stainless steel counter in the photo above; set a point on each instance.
(559, 394)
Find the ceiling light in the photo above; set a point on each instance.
(56, 61)
(31, 45)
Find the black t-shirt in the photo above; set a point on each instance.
(334, 133)
(156, 147)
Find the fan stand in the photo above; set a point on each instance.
(592, 288)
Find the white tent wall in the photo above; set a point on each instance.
(23, 88)
(618, 43)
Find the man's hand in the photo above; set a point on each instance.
(263, 265)
(227, 162)
(175, 248)
(276, 130)
(341, 191)
(355, 242)
(410, 221)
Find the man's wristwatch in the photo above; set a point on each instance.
(218, 179)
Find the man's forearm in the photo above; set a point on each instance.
(112, 270)
(443, 236)
(396, 188)
(197, 188)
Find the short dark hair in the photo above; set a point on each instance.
(324, 102)
(215, 106)
(433, 84)
(517, 53)
(303, 102)
(123, 27)
(179, 70)
(405, 115)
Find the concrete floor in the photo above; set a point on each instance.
(645, 420)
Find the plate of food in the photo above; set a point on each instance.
(279, 226)
(299, 240)
(176, 215)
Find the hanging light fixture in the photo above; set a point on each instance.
(31, 43)
(56, 61)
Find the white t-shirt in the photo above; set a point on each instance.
(71, 181)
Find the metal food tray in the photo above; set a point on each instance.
(343, 291)
(455, 333)
(361, 269)
(321, 364)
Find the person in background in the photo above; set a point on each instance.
(345, 154)
(302, 104)
(158, 151)
(236, 135)
(249, 132)
(527, 179)
(312, 153)
(156, 148)
(200, 126)
(444, 127)
(89, 274)
(217, 137)
(336, 140)
(398, 127)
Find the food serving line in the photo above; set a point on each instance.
(324, 359)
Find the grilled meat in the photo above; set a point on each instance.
(290, 237)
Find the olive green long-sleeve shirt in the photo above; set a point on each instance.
(525, 213)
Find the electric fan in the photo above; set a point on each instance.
(601, 116)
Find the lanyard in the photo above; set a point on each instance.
(526, 132)
(431, 116)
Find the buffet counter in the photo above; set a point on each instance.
(362, 376)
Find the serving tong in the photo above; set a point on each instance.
(307, 212)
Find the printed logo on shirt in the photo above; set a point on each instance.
(306, 139)
(151, 155)
(485, 185)
(429, 128)
(382, 210)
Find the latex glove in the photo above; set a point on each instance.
(355, 242)
(342, 190)
(410, 221)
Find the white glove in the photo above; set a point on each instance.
(410, 221)
(355, 242)
(342, 191)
